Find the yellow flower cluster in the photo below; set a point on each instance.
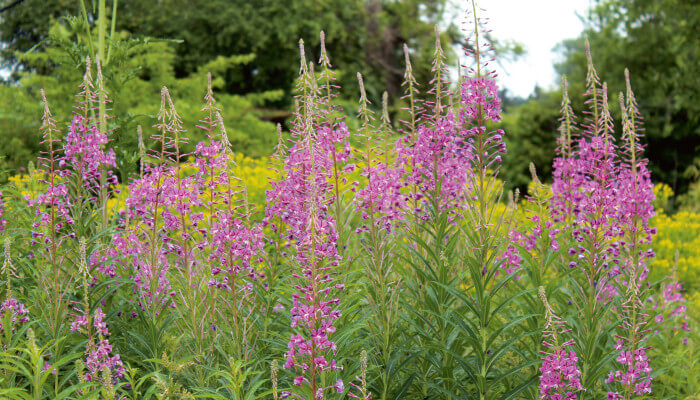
(678, 234)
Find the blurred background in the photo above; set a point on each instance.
(251, 49)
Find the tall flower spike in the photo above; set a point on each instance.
(86, 98)
(208, 123)
(102, 99)
(440, 86)
(8, 269)
(327, 86)
(567, 127)
(411, 94)
(560, 376)
(593, 94)
(634, 114)
(299, 203)
(50, 138)
(364, 113)
(632, 125)
(634, 375)
(606, 123)
(52, 206)
(170, 129)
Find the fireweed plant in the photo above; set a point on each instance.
(386, 262)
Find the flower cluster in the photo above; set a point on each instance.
(380, 201)
(152, 284)
(12, 314)
(585, 195)
(560, 377)
(98, 353)
(382, 196)
(52, 207)
(634, 372)
(300, 201)
(312, 229)
(235, 246)
(84, 151)
(481, 101)
(438, 160)
(672, 308)
(673, 299)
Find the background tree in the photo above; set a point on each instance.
(137, 70)
(361, 35)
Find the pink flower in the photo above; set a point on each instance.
(18, 312)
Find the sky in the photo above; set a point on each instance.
(539, 25)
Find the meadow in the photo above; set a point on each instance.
(379, 259)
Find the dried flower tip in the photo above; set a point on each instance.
(591, 76)
(7, 268)
(222, 127)
(542, 294)
(408, 59)
(8, 243)
(533, 173)
(323, 58)
(88, 66)
(44, 101)
(362, 85)
(273, 377)
(363, 367)
(385, 109)
(589, 57)
(302, 57)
